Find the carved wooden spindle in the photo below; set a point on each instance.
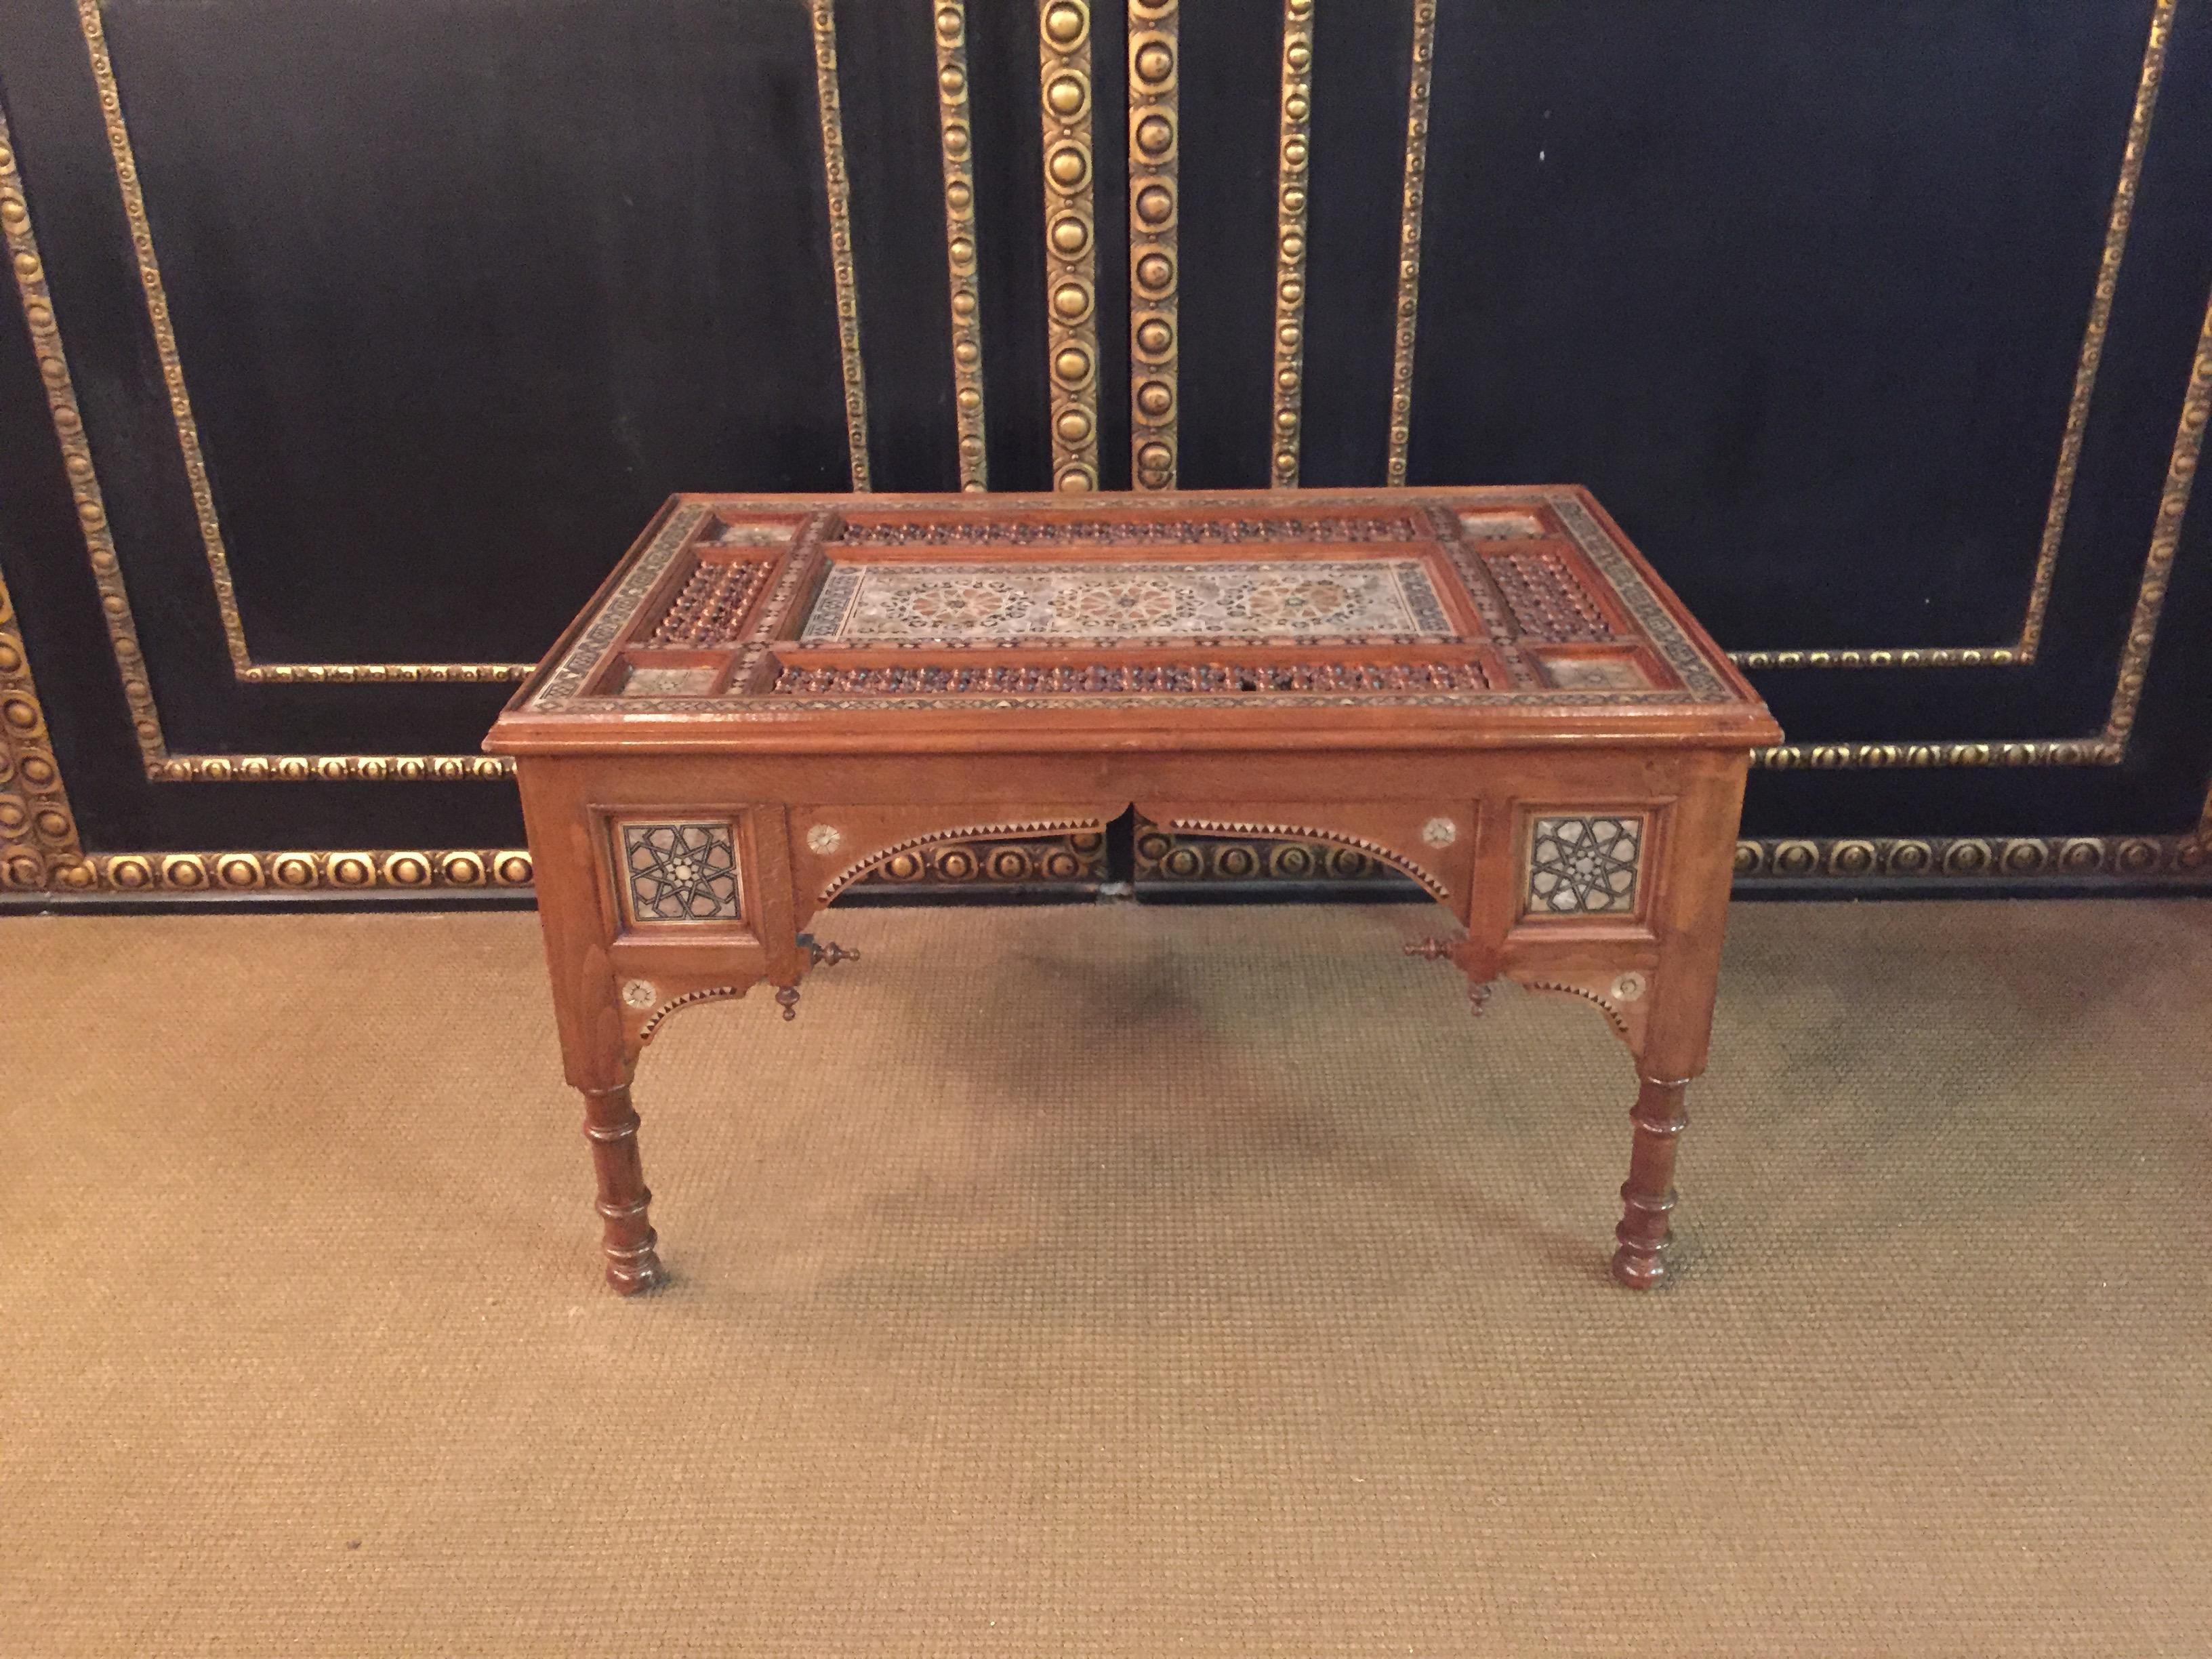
(826, 955)
(611, 1125)
(1444, 949)
(1648, 1194)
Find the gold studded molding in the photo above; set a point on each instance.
(2012, 858)
(2166, 538)
(30, 273)
(335, 769)
(832, 120)
(956, 134)
(2036, 751)
(1154, 43)
(1163, 856)
(1409, 235)
(38, 845)
(44, 858)
(1293, 157)
(1071, 236)
(165, 339)
(305, 871)
(1071, 860)
(1170, 860)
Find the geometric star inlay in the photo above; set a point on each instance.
(681, 872)
(1581, 867)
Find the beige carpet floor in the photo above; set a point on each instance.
(1108, 1281)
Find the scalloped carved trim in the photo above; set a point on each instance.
(1629, 1020)
(709, 993)
(1610, 1012)
(1435, 888)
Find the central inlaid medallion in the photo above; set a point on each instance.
(1391, 599)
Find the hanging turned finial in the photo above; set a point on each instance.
(1444, 949)
(787, 995)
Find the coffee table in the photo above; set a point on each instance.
(1487, 690)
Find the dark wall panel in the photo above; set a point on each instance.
(1359, 137)
(887, 56)
(462, 288)
(1231, 113)
(1797, 289)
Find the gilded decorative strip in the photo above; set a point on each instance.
(357, 673)
(2100, 317)
(2187, 858)
(2181, 859)
(1913, 656)
(1154, 131)
(1070, 242)
(2008, 858)
(1260, 861)
(1293, 159)
(2025, 751)
(406, 870)
(1160, 856)
(1253, 833)
(2166, 538)
(1054, 860)
(38, 844)
(165, 338)
(38, 303)
(834, 181)
(956, 134)
(1409, 234)
(907, 860)
(334, 768)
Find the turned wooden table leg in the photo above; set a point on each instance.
(1691, 916)
(611, 1125)
(1648, 1195)
(599, 1051)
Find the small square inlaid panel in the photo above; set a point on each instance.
(1606, 673)
(679, 870)
(1584, 865)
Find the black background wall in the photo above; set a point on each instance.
(357, 340)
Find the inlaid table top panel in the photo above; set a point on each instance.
(1507, 611)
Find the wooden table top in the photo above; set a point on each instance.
(1462, 616)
